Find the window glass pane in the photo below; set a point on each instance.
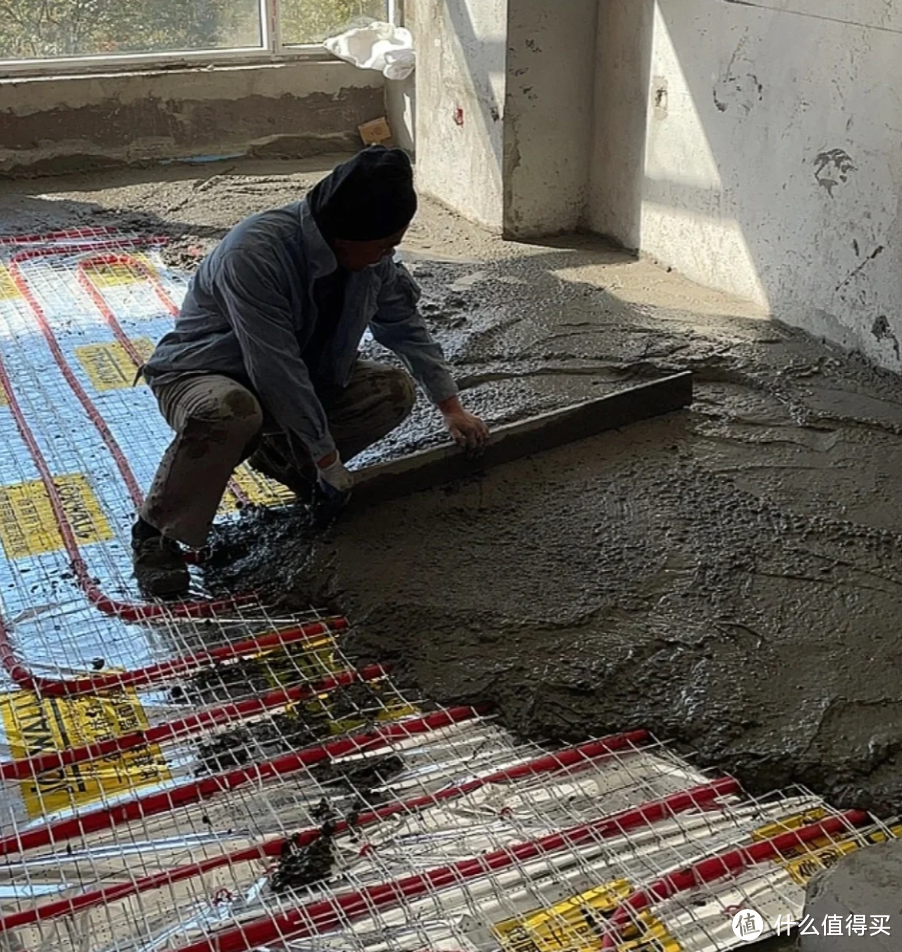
(39, 29)
(311, 21)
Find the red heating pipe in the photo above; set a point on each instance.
(108, 817)
(177, 667)
(315, 918)
(84, 279)
(233, 713)
(570, 758)
(69, 233)
(726, 864)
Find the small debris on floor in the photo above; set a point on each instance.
(301, 866)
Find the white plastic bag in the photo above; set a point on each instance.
(377, 45)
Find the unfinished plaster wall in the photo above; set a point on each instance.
(293, 109)
(400, 107)
(548, 115)
(504, 104)
(460, 87)
(756, 148)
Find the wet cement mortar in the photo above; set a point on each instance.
(728, 577)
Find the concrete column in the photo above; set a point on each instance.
(504, 110)
(460, 88)
(400, 106)
(622, 77)
(548, 116)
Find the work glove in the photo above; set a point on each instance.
(335, 480)
(334, 484)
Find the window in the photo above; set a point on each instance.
(311, 21)
(49, 35)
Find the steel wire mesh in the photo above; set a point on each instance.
(172, 781)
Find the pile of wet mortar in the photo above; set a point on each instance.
(730, 576)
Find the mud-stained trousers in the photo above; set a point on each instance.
(219, 423)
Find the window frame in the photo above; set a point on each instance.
(271, 51)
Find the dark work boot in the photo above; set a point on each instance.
(158, 563)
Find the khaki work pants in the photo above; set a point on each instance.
(219, 423)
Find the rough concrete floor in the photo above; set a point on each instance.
(729, 577)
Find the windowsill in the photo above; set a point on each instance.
(151, 66)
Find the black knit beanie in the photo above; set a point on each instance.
(368, 198)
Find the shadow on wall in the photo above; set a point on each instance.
(757, 150)
(460, 89)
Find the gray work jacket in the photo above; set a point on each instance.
(250, 311)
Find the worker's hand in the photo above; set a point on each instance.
(466, 429)
(333, 478)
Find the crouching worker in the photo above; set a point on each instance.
(263, 361)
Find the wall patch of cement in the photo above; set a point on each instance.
(75, 122)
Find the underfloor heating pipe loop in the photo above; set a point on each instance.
(21, 283)
(112, 260)
(106, 818)
(182, 728)
(24, 288)
(316, 918)
(726, 864)
(126, 611)
(165, 671)
(570, 759)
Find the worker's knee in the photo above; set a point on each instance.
(242, 409)
(401, 391)
(234, 414)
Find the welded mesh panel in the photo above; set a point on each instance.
(213, 775)
(79, 312)
(78, 315)
(449, 835)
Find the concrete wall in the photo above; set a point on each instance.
(504, 109)
(757, 148)
(460, 87)
(548, 115)
(297, 109)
